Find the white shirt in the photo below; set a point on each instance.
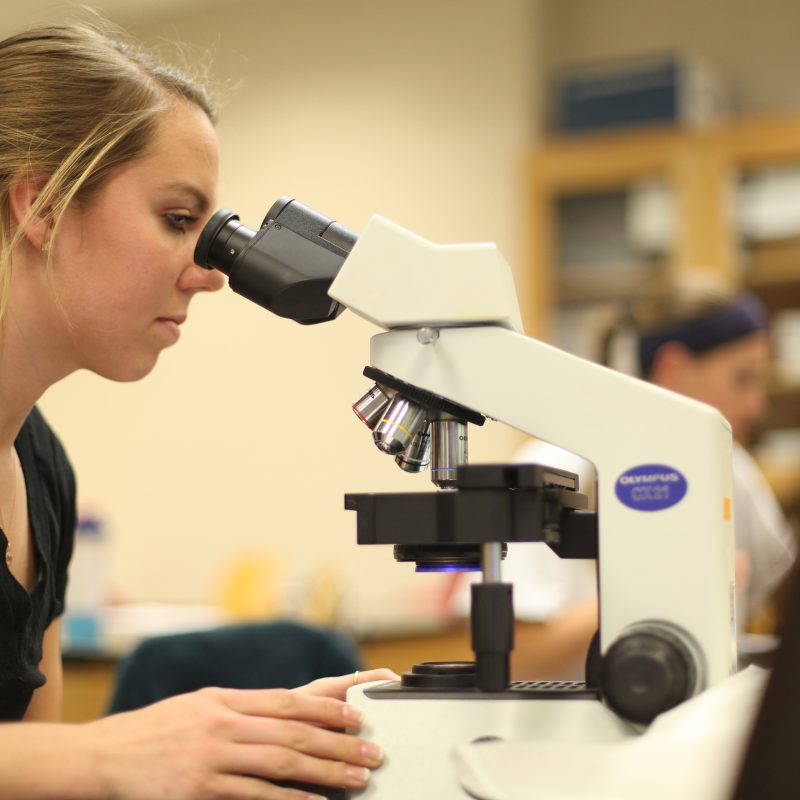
(761, 531)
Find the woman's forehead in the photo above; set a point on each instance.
(182, 158)
(184, 130)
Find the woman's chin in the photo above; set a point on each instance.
(127, 371)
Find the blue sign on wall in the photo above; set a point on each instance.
(651, 487)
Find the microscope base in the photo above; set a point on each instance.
(419, 731)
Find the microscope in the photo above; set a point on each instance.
(453, 354)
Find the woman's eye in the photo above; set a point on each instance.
(180, 222)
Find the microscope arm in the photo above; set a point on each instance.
(655, 564)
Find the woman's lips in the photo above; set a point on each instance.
(172, 326)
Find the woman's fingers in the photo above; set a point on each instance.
(288, 704)
(337, 687)
(236, 786)
(276, 763)
(283, 735)
(308, 739)
(245, 741)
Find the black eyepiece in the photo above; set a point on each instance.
(221, 241)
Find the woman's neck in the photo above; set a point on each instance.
(32, 349)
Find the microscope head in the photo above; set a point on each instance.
(286, 266)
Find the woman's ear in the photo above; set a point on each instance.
(22, 197)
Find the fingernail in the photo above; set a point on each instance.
(372, 752)
(314, 797)
(352, 714)
(357, 776)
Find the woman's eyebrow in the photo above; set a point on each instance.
(200, 199)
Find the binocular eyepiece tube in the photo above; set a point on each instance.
(286, 266)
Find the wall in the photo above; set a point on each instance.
(243, 440)
(750, 45)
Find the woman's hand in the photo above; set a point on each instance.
(229, 743)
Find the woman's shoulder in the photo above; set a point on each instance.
(45, 446)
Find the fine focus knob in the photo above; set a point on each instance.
(646, 673)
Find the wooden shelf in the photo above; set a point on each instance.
(700, 165)
(776, 295)
(773, 259)
(606, 283)
(784, 408)
(773, 272)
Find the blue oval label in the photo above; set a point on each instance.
(651, 487)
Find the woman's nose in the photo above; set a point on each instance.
(199, 279)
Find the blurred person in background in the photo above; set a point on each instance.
(714, 347)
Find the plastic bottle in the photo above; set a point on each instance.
(87, 588)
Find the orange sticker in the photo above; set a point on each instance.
(727, 512)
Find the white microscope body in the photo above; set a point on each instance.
(665, 532)
(454, 353)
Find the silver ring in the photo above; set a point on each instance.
(355, 677)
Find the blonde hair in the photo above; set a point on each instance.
(76, 102)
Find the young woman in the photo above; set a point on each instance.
(108, 172)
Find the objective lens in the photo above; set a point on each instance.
(418, 455)
(398, 426)
(449, 450)
(369, 408)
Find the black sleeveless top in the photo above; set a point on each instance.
(50, 485)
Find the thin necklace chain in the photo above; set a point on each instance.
(6, 531)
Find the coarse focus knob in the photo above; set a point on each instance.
(646, 673)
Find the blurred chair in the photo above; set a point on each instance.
(252, 656)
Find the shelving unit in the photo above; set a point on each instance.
(703, 168)
(774, 273)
